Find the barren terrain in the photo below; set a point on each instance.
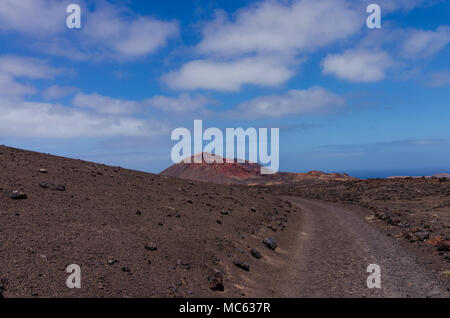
(136, 234)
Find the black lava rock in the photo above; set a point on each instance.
(270, 243)
(241, 264)
(255, 253)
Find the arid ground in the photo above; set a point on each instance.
(136, 234)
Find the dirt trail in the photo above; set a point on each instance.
(335, 245)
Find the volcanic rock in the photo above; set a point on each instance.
(255, 253)
(17, 195)
(242, 265)
(151, 246)
(52, 186)
(270, 243)
(216, 281)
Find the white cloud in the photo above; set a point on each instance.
(43, 120)
(18, 66)
(180, 104)
(56, 92)
(357, 65)
(123, 36)
(229, 76)
(33, 16)
(13, 68)
(104, 104)
(276, 26)
(421, 43)
(264, 43)
(315, 100)
(107, 31)
(9, 87)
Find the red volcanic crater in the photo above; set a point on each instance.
(223, 171)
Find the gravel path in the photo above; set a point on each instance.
(335, 245)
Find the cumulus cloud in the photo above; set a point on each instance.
(229, 76)
(357, 65)
(18, 66)
(264, 43)
(105, 104)
(33, 16)
(180, 104)
(107, 31)
(13, 68)
(43, 120)
(315, 100)
(9, 87)
(57, 91)
(126, 36)
(421, 43)
(93, 115)
(274, 26)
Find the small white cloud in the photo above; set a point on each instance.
(56, 92)
(357, 65)
(229, 76)
(18, 66)
(281, 26)
(36, 17)
(180, 104)
(315, 100)
(13, 68)
(420, 43)
(110, 31)
(9, 87)
(104, 104)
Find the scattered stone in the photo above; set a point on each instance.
(52, 186)
(3, 283)
(126, 269)
(138, 212)
(17, 195)
(151, 246)
(255, 253)
(241, 264)
(253, 209)
(417, 236)
(443, 246)
(219, 222)
(224, 212)
(42, 170)
(216, 281)
(112, 261)
(270, 243)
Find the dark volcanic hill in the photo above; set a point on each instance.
(242, 173)
(133, 234)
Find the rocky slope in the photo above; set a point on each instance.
(133, 234)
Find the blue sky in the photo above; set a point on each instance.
(369, 102)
